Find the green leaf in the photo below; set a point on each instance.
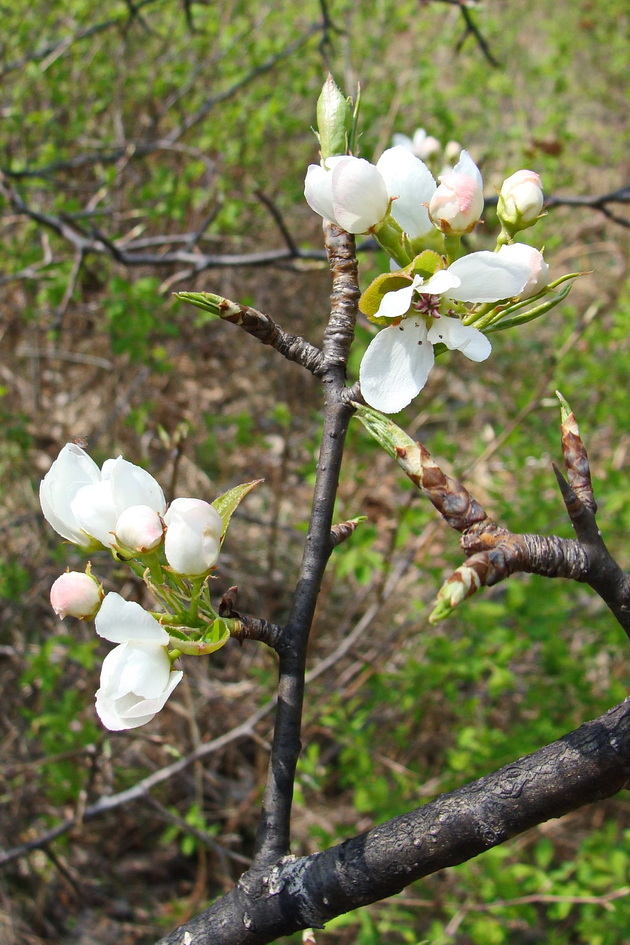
(226, 503)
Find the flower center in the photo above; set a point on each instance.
(428, 305)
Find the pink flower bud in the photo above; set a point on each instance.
(520, 200)
(76, 594)
(457, 204)
(533, 259)
(139, 528)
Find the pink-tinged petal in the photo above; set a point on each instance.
(467, 166)
(359, 195)
(533, 259)
(318, 191)
(457, 337)
(120, 621)
(140, 528)
(396, 366)
(76, 594)
(485, 277)
(411, 183)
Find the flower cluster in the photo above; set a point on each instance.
(437, 297)
(174, 549)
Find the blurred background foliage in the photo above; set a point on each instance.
(161, 126)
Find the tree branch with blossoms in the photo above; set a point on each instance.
(435, 298)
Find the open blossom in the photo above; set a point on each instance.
(356, 194)
(83, 503)
(348, 191)
(457, 204)
(424, 146)
(76, 594)
(398, 361)
(193, 536)
(136, 677)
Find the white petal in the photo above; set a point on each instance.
(359, 195)
(485, 277)
(121, 620)
(318, 191)
(133, 485)
(465, 338)
(442, 282)
(93, 508)
(396, 366)
(467, 166)
(396, 304)
(72, 469)
(411, 182)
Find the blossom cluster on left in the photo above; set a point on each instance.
(174, 548)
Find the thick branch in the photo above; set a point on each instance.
(294, 893)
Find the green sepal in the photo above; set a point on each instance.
(226, 503)
(512, 316)
(426, 264)
(215, 635)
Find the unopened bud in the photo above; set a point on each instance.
(334, 120)
(520, 201)
(76, 594)
(139, 528)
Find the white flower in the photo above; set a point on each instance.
(410, 183)
(76, 594)
(348, 191)
(356, 194)
(83, 502)
(193, 536)
(457, 204)
(424, 146)
(136, 677)
(398, 361)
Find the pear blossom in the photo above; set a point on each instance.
(83, 503)
(520, 200)
(76, 594)
(533, 259)
(193, 536)
(398, 360)
(136, 676)
(457, 204)
(410, 184)
(356, 195)
(424, 146)
(348, 191)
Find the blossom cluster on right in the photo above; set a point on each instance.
(437, 296)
